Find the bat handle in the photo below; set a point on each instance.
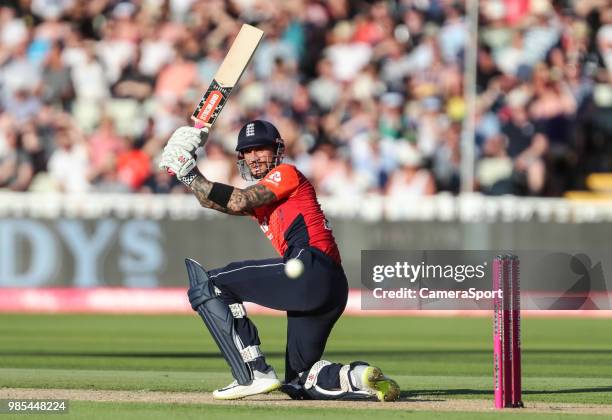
(204, 136)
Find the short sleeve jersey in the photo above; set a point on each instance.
(295, 219)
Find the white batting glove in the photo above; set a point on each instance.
(188, 138)
(177, 160)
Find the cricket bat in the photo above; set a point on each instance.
(227, 76)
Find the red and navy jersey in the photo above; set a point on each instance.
(295, 219)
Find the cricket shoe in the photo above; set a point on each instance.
(372, 379)
(262, 383)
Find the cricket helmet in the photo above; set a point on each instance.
(258, 133)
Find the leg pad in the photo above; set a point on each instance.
(219, 320)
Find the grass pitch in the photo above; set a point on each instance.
(565, 361)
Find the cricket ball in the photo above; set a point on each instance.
(294, 268)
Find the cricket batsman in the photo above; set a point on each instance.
(285, 205)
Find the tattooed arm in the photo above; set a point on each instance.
(241, 202)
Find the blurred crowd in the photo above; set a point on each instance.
(368, 95)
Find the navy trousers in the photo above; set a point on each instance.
(313, 302)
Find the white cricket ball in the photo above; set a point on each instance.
(294, 268)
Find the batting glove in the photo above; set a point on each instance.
(180, 162)
(188, 138)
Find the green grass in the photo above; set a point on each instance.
(564, 360)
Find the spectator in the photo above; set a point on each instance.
(526, 147)
(104, 146)
(273, 49)
(133, 165)
(18, 75)
(162, 183)
(90, 83)
(176, 78)
(107, 179)
(69, 164)
(56, 83)
(494, 170)
(446, 160)
(453, 34)
(217, 166)
(350, 84)
(347, 58)
(132, 83)
(604, 45)
(324, 90)
(411, 179)
(343, 181)
(16, 168)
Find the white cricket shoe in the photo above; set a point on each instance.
(262, 383)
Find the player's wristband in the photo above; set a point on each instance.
(188, 179)
(220, 193)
